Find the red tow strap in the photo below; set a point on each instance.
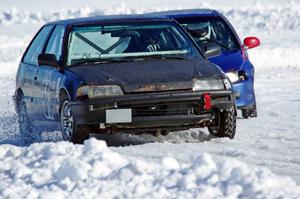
(207, 101)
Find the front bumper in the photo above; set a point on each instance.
(244, 92)
(153, 110)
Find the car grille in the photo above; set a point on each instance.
(164, 109)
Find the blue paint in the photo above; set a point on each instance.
(229, 60)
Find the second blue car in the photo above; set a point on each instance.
(220, 43)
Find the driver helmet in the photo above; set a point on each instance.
(201, 30)
(150, 36)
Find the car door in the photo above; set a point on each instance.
(50, 77)
(29, 71)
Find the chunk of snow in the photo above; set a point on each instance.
(93, 169)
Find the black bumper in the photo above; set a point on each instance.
(153, 110)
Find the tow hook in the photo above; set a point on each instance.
(207, 101)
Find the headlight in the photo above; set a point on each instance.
(227, 83)
(233, 76)
(99, 91)
(207, 84)
(237, 76)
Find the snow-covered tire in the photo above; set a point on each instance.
(70, 130)
(24, 122)
(225, 123)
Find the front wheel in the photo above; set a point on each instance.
(70, 130)
(224, 123)
(249, 112)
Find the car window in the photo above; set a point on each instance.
(92, 44)
(54, 45)
(210, 29)
(36, 46)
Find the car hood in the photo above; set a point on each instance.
(231, 60)
(144, 76)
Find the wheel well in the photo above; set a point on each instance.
(63, 94)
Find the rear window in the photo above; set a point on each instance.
(93, 44)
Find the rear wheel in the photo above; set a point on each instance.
(225, 123)
(70, 130)
(24, 122)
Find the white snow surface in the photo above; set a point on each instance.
(92, 170)
(188, 164)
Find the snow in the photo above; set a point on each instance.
(261, 162)
(93, 170)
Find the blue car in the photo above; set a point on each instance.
(134, 73)
(220, 43)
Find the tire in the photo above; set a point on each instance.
(225, 123)
(25, 126)
(70, 130)
(249, 112)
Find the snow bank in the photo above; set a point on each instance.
(277, 26)
(272, 19)
(254, 16)
(64, 170)
(274, 57)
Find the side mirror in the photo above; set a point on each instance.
(48, 59)
(251, 42)
(212, 50)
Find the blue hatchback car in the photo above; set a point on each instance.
(133, 73)
(220, 43)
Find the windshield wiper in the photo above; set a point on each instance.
(224, 46)
(126, 59)
(220, 44)
(163, 57)
(99, 61)
(212, 41)
(82, 62)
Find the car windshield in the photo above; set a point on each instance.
(129, 42)
(206, 30)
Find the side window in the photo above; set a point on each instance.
(36, 46)
(54, 45)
